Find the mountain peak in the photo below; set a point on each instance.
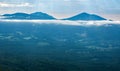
(37, 13)
(85, 13)
(85, 16)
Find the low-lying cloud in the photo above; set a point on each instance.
(65, 22)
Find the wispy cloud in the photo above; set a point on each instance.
(4, 4)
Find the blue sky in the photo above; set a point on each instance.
(63, 8)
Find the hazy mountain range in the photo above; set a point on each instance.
(36, 15)
(44, 16)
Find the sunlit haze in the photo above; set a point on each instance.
(109, 9)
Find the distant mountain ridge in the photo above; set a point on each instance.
(85, 16)
(43, 16)
(36, 15)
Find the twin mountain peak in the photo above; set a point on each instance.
(44, 16)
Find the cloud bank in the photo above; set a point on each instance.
(5, 4)
(65, 22)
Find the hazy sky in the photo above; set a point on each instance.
(63, 8)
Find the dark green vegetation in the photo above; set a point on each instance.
(43, 47)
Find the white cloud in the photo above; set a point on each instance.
(76, 0)
(4, 4)
(67, 22)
